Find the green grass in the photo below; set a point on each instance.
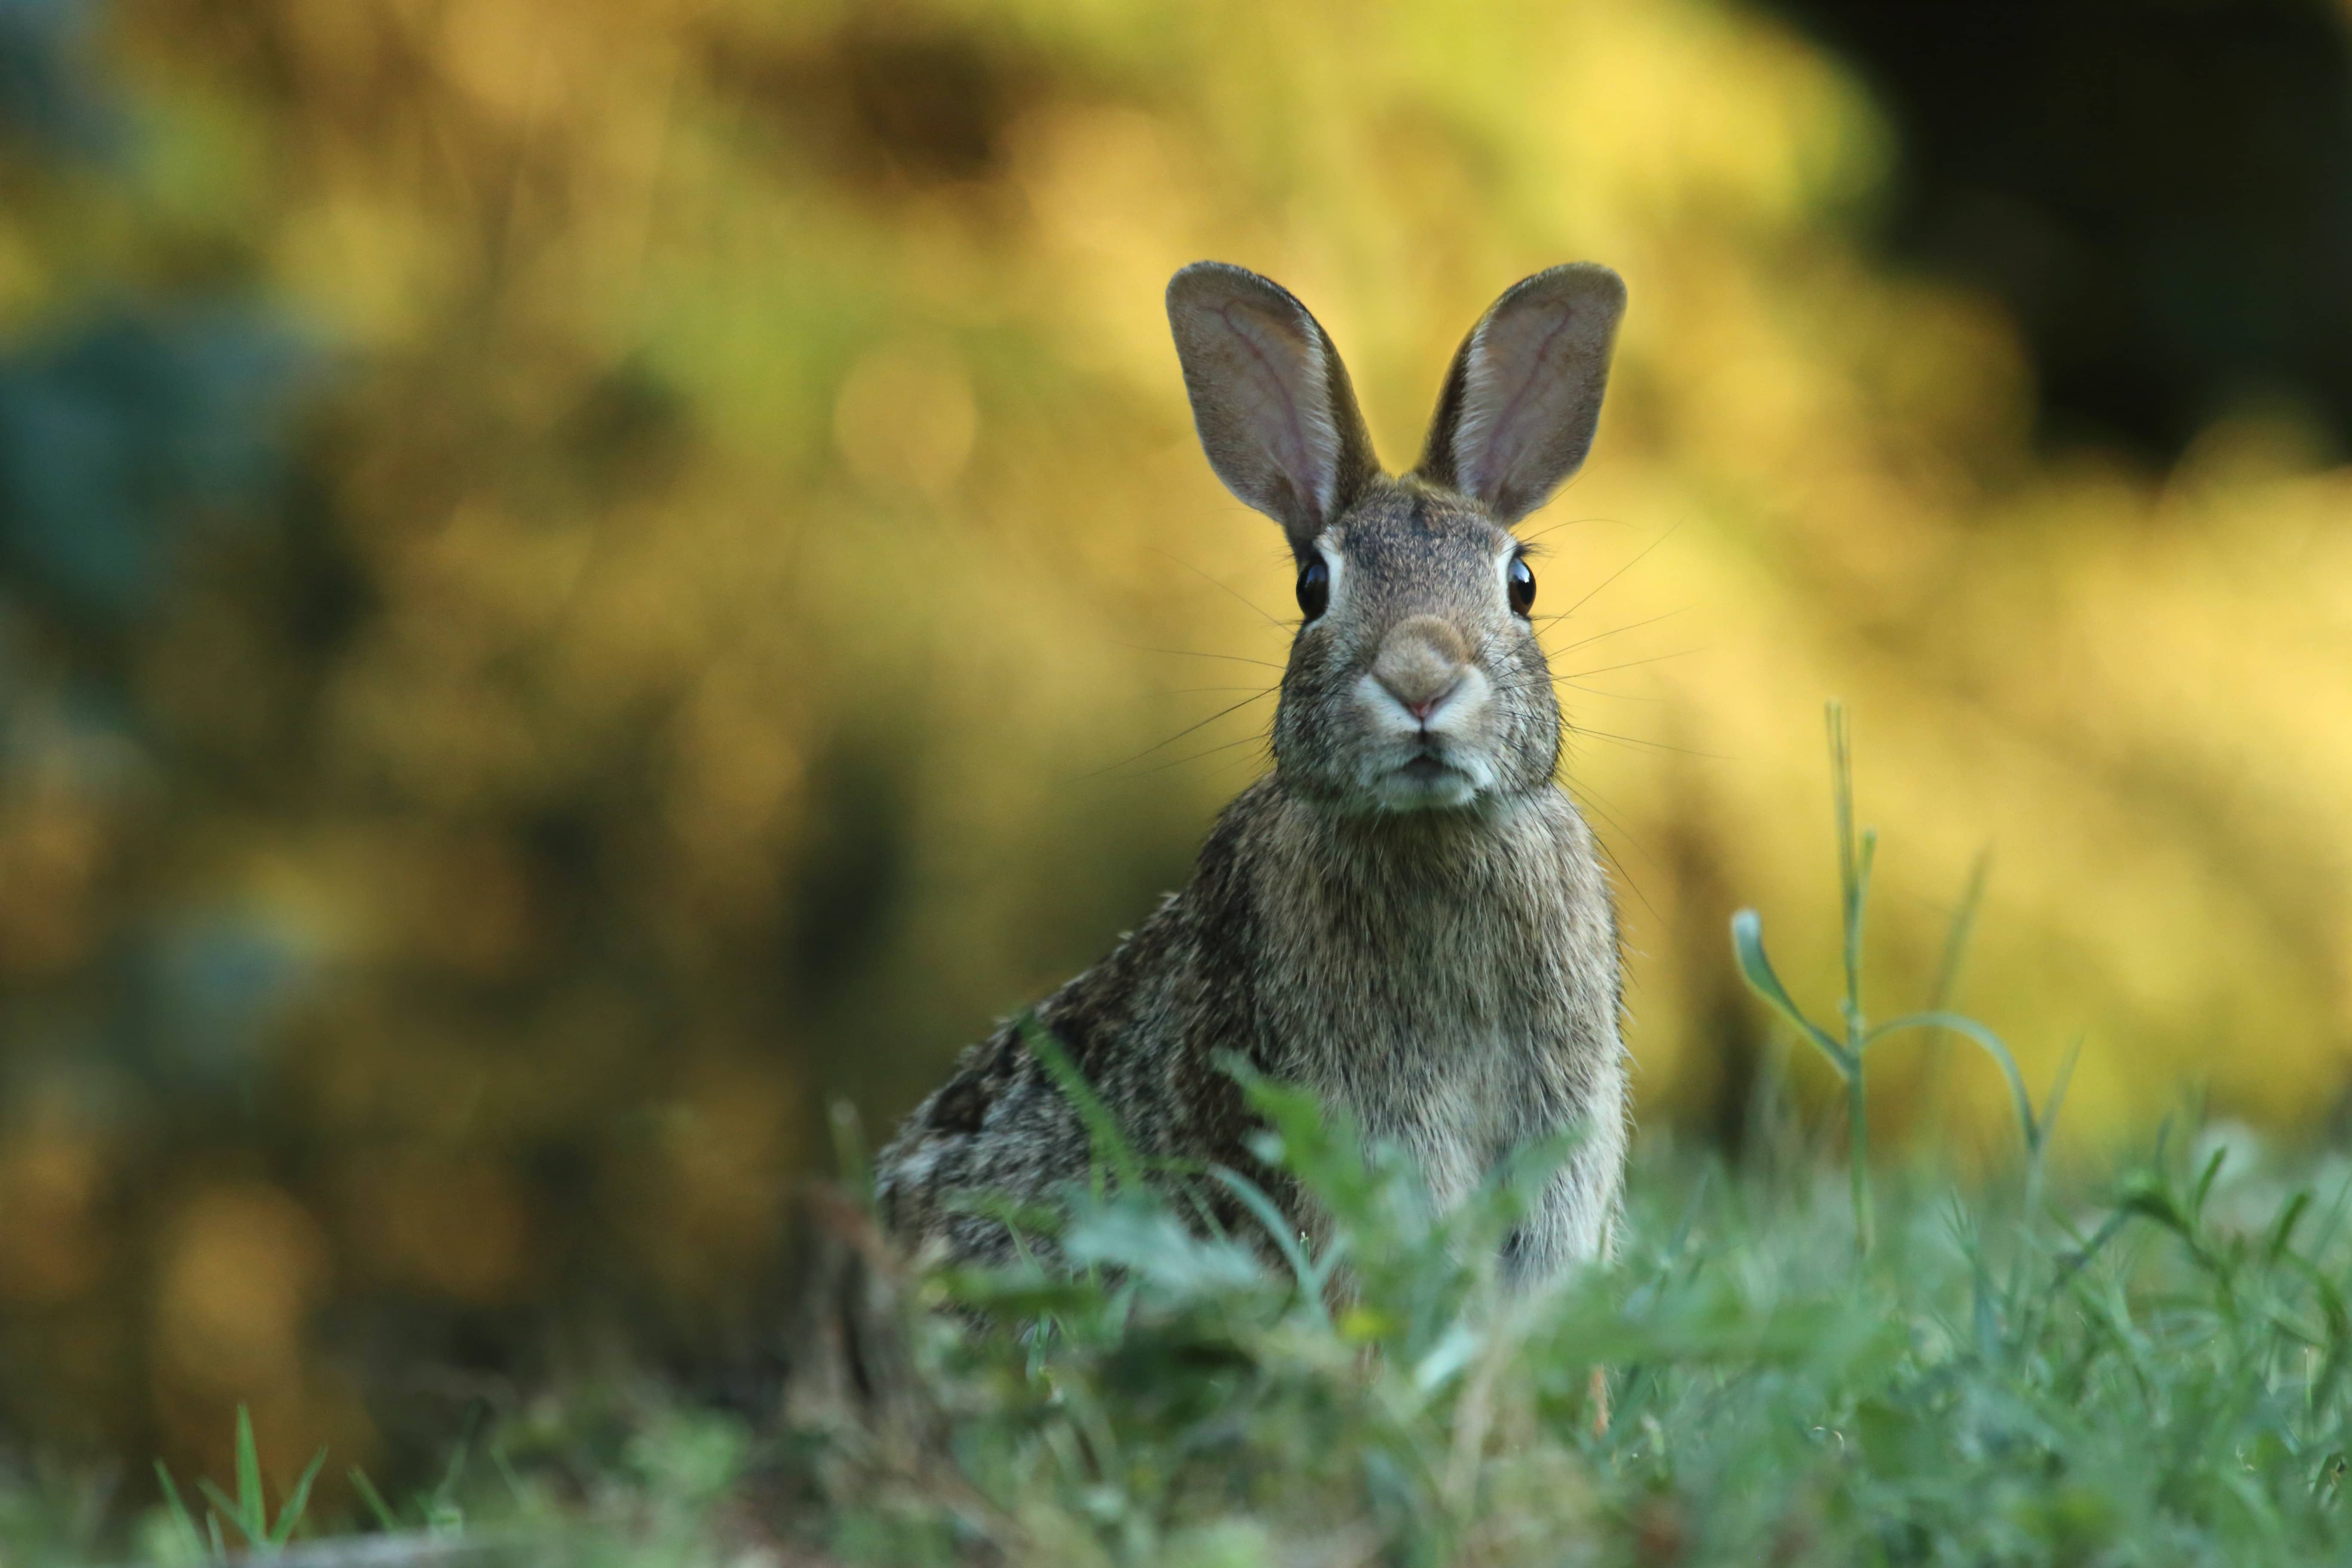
(1876, 1364)
(2146, 1369)
(2150, 1375)
(247, 1513)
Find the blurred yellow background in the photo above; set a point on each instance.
(742, 583)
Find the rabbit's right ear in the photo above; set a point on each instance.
(1270, 397)
(1521, 401)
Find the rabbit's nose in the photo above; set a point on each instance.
(1421, 663)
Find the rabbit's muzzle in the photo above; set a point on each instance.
(1427, 705)
(1421, 665)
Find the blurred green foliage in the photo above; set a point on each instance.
(574, 581)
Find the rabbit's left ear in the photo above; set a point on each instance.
(1270, 397)
(1520, 403)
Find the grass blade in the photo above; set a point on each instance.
(1253, 1197)
(252, 1514)
(296, 1501)
(1958, 935)
(1945, 987)
(1109, 1143)
(183, 1523)
(224, 1504)
(384, 1518)
(1756, 968)
(2028, 1124)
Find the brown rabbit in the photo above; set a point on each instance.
(1407, 915)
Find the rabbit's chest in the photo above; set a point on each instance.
(1438, 1026)
(1445, 1061)
(1455, 988)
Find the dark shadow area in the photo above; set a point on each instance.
(2160, 194)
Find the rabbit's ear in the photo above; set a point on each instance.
(1520, 403)
(1271, 398)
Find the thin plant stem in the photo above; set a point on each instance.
(1855, 854)
(1857, 1120)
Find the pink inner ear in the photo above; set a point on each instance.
(1273, 365)
(1273, 405)
(1516, 392)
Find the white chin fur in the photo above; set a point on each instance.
(1393, 739)
(1399, 791)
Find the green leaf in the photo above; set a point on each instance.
(183, 1522)
(1957, 935)
(2205, 1181)
(2283, 1228)
(291, 1514)
(1747, 950)
(2148, 1197)
(2052, 1102)
(1320, 1145)
(226, 1504)
(252, 1513)
(2339, 1330)
(1277, 1226)
(374, 1500)
(442, 1514)
(1958, 1023)
(1017, 1292)
(1150, 1243)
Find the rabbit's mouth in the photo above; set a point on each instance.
(1429, 768)
(1426, 780)
(1430, 755)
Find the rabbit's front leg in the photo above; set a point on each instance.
(1574, 1220)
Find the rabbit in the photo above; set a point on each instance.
(1407, 915)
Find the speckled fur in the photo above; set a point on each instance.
(1446, 968)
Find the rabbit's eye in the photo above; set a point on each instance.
(1523, 586)
(1314, 588)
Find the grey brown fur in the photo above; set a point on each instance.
(1407, 915)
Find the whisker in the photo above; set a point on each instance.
(1245, 741)
(1638, 740)
(1616, 631)
(1614, 696)
(1236, 593)
(1233, 708)
(1623, 570)
(1195, 690)
(1616, 824)
(1237, 765)
(1625, 874)
(1569, 522)
(1609, 812)
(1574, 679)
(1632, 663)
(1187, 653)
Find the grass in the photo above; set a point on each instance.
(1845, 1050)
(1876, 1366)
(247, 1512)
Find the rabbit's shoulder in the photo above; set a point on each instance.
(984, 1074)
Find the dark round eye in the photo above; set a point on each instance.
(1314, 588)
(1523, 585)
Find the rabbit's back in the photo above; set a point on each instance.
(1143, 1028)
